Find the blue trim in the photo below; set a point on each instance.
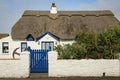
(55, 37)
(30, 38)
(22, 44)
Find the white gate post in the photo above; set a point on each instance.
(52, 59)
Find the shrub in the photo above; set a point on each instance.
(74, 51)
(105, 44)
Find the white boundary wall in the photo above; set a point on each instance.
(15, 68)
(66, 68)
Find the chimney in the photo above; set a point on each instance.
(53, 9)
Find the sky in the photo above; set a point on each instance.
(12, 10)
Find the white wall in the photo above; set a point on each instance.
(65, 68)
(33, 44)
(48, 38)
(56, 42)
(15, 44)
(15, 68)
(12, 46)
(63, 42)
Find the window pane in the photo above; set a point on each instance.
(5, 44)
(51, 45)
(43, 45)
(23, 46)
(47, 45)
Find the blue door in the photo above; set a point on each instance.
(38, 61)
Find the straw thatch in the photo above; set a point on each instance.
(2, 35)
(64, 24)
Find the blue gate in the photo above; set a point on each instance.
(38, 60)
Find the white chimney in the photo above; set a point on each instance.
(53, 9)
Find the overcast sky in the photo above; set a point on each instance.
(11, 10)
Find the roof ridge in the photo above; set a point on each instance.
(69, 13)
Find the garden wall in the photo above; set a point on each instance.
(66, 68)
(18, 68)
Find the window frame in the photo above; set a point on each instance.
(22, 46)
(3, 51)
(46, 42)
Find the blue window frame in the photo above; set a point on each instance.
(5, 47)
(46, 45)
(23, 46)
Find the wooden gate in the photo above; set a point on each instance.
(38, 60)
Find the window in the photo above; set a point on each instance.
(47, 45)
(5, 46)
(30, 38)
(23, 46)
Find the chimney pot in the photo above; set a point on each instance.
(53, 9)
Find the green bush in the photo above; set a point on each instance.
(109, 41)
(74, 51)
(105, 44)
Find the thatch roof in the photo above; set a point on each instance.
(2, 35)
(64, 24)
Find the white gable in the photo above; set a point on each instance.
(47, 37)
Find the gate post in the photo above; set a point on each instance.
(52, 59)
(29, 49)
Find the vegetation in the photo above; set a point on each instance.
(105, 44)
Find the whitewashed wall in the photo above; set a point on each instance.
(48, 38)
(33, 44)
(65, 68)
(63, 42)
(15, 68)
(14, 44)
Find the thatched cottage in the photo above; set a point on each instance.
(41, 29)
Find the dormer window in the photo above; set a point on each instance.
(30, 38)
